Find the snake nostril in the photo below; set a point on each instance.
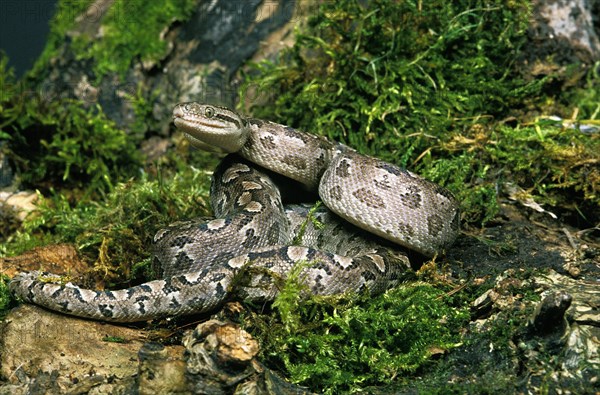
(178, 111)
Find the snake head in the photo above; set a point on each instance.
(205, 126)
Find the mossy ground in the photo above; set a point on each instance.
(341, 344)
(428, 85)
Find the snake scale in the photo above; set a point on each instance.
(374, 210)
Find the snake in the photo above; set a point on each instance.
(373, 214)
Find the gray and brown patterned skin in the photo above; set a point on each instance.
(247, 250)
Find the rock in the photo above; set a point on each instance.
(553, 342)
(45, 350)
(21, 202)
(60, 259)
(482, 306)
(160, 373)
(585, 305)
(221, 359)
(567, 31)
(53, 341)
(14, 207)
(203, 58)
(566, 325)
(154, 147)
(214, 346)
(549, 315)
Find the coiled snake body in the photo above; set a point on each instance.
(372, 208)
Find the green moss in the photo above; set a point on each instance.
(115, 233)
(60, 144)
(394, 76)
(63, 20)
(6, 299)
(557, 166)
(582, 100)
(131, 33)
(471, 179)
(343, 344)
(144, 119)
(552, 162)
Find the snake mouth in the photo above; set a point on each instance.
(192, 126)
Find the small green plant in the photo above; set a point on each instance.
(6, 299)
(114, 339)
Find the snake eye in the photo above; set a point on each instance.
(209, 112)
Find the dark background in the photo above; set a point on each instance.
(23, 30)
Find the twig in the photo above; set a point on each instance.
(570, 238)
